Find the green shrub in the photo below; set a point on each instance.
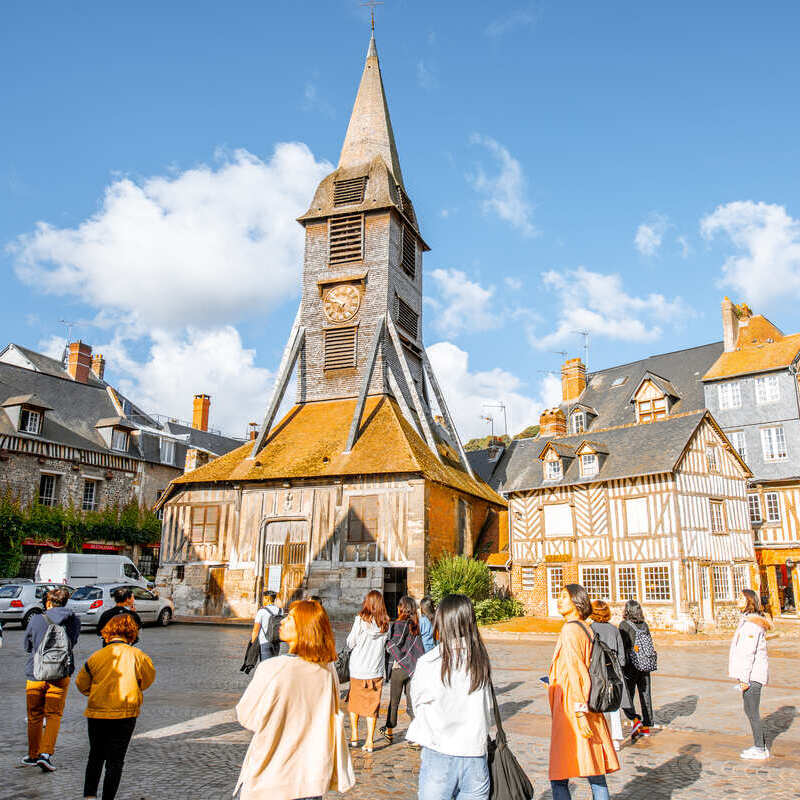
(460, 575)
(496, 609)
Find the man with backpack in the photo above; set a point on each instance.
(266, 626)
(49, 640)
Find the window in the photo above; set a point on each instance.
(350, 191)
(712, 460)
(721, 580)
(754, 508)
(362, 519)
(47, 490)
(767, 390)
(346, 239)
(773, 507)
(167, 451)
(704, 594)
(205, 523)
(131, 572)
(578, 422)
(589, 464)
(558, 520)
(119, 439)
(730, 395)
(717, 516)
(626, 583)
(739, 443)
(142, 594)
(361, 572)
(179, 573)
(636, 516)
(340, 348)
(407, 318)
(651, 410)
(408, 259)
(741, 579)
(553, 470)
(773, 443)
(597, 582)
(89, 495)
(29, 421)
(657, 585)
(405, 205)
(619, 381)
(528, 579)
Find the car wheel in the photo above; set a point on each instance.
(165, 617)
(27, 618)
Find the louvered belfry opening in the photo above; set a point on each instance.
(407, 318)
(409, 255)
(350, 191)
(340, 348)
(405, 206)
(346, 239)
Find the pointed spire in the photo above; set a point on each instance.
(369, 133)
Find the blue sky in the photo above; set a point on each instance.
(618, 168)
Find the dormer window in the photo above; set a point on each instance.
(30, 421)
(578, 421)
(119, 439)
(167, 451)
(26, 413)
(589, 464)
(553, 470)
(652, 398)
(651, 410)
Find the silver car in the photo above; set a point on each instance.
(20, 601)
(89, 603)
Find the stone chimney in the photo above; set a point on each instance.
(79, 361)
(202, 405)
(252, 431)
(573, 379)
(730, 325)
(552, 422)
(98, 365)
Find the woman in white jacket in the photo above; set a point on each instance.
(367, 643)
(452, 701)
(748, 665)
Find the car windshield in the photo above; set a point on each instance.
(87, 593)
(10, 590)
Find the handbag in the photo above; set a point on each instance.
(508, 779)
(343, 777)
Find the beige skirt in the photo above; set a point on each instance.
(364, 697)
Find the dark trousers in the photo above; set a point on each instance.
(639, 680)
(108, 743)
(752, 705)
(398, 684)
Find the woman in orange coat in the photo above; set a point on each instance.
(580, 744)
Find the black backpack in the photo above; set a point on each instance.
(52, 659)
(272, 629)
(605, 693)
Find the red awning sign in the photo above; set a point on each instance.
(43, 543)
(109, 548)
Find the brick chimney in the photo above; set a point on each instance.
(202, 405)
(79, 361)
(734, 318)
(252, 431)
(573, 379)
(552, 422)
(98, 365)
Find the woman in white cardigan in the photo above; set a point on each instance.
(290, 706)
(748, 665)
(452, 701)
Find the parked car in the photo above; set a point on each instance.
(83, 569)
(89, 602)
(20, 601)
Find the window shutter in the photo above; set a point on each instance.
(408, 260)
(407, 318)
(346, 239)
(340, 348)
(349, 192)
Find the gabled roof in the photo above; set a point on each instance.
(662, 383)
(26, 400)
(588, 444)
(562, 449)
(582, 407)
(47, 365)
(309, 443)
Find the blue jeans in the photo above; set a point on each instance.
(444, 777)
(597, 782)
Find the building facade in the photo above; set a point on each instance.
(358, 486)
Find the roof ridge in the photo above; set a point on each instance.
(655, 355)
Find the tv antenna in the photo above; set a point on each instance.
(371, 5)
(505, 416)
(585, 335)
(69, 326)
(490, 419)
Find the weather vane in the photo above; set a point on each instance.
(371, 4)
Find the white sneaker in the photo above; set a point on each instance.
(755, 754)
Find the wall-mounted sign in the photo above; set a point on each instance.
(554, 559)
(274, 577)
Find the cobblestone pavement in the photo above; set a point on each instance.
(187, 744)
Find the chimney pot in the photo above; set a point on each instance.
(79, 361)
(98, 365)
(202, 405)
(252, 431)
(573, 379)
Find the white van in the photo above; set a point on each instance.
(83, 569)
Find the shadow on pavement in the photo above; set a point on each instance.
(507, 710)
(684, 707)
(660, 782)
(509, 687)
(778, 722)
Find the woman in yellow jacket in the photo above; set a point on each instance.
(113, 678)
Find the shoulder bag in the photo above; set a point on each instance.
(508, 779)
(343, 777)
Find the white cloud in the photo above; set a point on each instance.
(466, 393)
(505, 192)
(598, 302)
(516, 19)
(686, 248)
(313, 102)
(515, 284)
(461, 304)
(767, 265)
(426, 76)
(204, 247)
(650, 234)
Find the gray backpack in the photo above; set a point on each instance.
(52, 660)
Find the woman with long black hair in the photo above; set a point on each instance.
(640, 661)
(403, 648)
(451, 692)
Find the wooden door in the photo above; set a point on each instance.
(215, 594)
(286, 550)
(555, 583)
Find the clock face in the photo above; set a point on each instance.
(341, 303)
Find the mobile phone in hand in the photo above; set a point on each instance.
(545, 680)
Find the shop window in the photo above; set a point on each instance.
(657, 587)
(597, 582)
